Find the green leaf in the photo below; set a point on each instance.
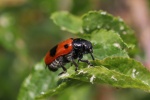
(64, 86)
(128, 67)
(95, 20)
(37, 82)
(102, 75)
(115, 71)
(106, 44)
(67, 21)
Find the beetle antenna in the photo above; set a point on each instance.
(92, 56)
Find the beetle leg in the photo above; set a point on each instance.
(64, 70)
(86, 61)
(76, 65)
(80, 57)
(92, 56)
(70, 59)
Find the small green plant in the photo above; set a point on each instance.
(113, 43)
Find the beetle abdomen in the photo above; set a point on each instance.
(56, 64)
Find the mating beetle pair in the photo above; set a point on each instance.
(67, 51)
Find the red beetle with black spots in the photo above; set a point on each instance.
(67, 51)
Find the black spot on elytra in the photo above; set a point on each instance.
(66, 46)
(53, 51)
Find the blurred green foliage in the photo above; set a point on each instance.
(26, 33)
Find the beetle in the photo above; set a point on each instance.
(67, 51)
